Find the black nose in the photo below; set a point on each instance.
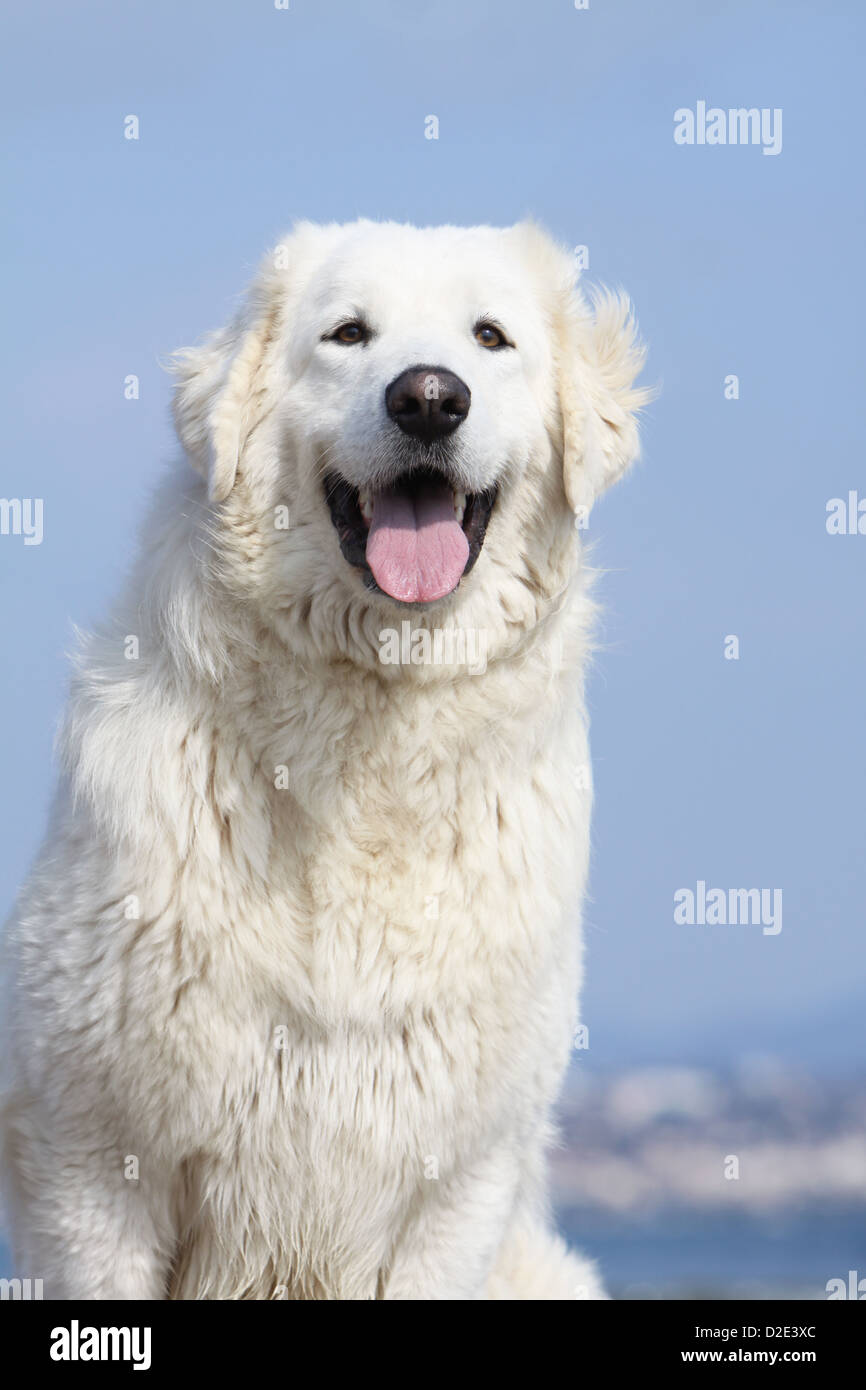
(427, 402)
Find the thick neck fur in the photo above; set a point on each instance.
(264, 675)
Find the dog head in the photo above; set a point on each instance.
(408, 421)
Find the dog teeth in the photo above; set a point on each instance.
(365, 502)
(459, 505)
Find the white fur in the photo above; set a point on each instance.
(328, 1021)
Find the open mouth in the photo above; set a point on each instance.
(416, 538)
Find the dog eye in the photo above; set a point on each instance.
(352, 332)
(489, 336)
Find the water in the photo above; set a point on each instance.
(694, 1254)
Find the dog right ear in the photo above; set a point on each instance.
(220, 395)
(214, 400)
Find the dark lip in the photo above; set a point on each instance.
(344, 506)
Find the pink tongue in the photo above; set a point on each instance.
(416, 547)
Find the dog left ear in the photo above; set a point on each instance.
(215, 399)
(600, 358)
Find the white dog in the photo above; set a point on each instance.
(293, 984)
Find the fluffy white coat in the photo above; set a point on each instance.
(293, 984)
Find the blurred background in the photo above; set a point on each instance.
(713, 1124)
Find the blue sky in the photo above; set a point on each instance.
(745, 773)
